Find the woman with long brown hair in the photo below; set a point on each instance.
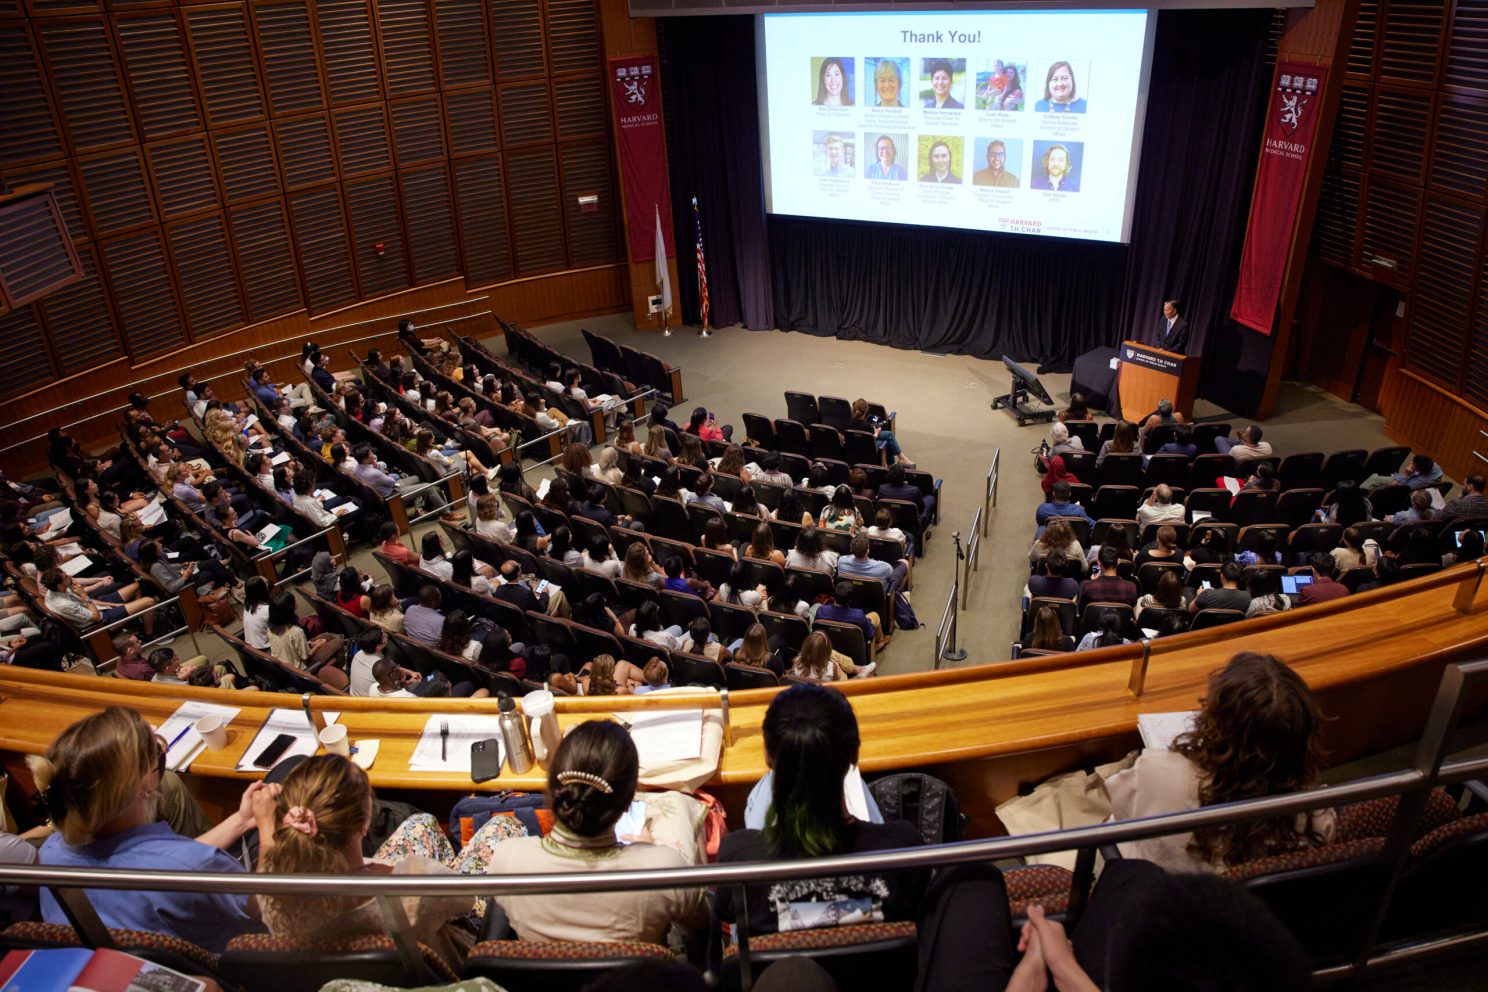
(817, 661)
(1256, 735)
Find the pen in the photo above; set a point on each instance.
(443, 740)
(177, 739)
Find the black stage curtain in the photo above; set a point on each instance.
(713, 148)
(976, 293)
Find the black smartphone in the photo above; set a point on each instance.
(272, 753)
(485, 760)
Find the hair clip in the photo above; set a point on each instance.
(588, 778)
(51, 798)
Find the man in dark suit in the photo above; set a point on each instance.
(1172, 330)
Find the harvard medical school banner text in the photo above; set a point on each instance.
(637, 102)
(1291, 123)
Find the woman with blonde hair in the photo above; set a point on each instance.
(100, 781)
(641, 567)
(488, 522)
(607, 467)
(762, 545)
(657, 445)
(317, 823)
(817, 661)
(754, 649)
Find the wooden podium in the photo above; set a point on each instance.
(1150, 374)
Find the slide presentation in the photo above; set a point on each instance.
(1020, 122)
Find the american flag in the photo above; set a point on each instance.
(702, 265)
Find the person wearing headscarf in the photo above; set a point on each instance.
(1057, 473)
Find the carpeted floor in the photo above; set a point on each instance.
(945, 425)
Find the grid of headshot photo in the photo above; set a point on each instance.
(997, 121)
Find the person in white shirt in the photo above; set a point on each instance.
(306, 503)
(808, 553)
(388, 681)
(256, 613)
(1159, 508)
(1246, 447)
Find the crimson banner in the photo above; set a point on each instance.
(1291, 122)
(637, 103)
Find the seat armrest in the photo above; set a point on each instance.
(495, 926)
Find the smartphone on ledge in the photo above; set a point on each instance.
(274, 751)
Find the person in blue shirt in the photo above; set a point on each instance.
(884, 166)
(100, 781)
(842, 611)
(1059, 506)
(859, 566)
(1060, 95)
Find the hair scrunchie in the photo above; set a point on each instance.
(302, 819)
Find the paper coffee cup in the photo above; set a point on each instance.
(333, 739)
(213, 731)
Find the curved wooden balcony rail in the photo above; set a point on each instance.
(1374, 659)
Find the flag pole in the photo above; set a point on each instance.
(702, 273)
(663, 279)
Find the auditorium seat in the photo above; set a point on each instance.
(1310, 539)
(788, 629)
(693, 669)
(802, 407)
(1170, 470)
(1301, 470)
(791, 436)
(1104, 524)
(1297, 506)
(259, 961)
(1204, 619)
(1157, 437)
(1090, 619)
(1114, 501)
(1207, 469)
(1149, 533)
(1253, 506)
(1149, 574)
(1385, 461)
(1257, 537)
(826, 442)
(1345, 464)
(1204, 436)
(1155, 617)
(1390, 499)
(1087, 431)
(1121, 470)
(1080, 526)
(835, 412)
(749, 677)
(1081, 464)
(760, 430)
(1215, 502)
(858, 956)
(162, 949)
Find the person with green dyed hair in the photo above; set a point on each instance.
(811, 743)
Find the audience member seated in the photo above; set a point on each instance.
(1107, 636)
(1059, 505)
(69, 600)
(1169, 594)
(1164, 549)
(101, 781)
(895, 577)
(316, 823)
(1246, 445)
(1049, 579)
(769, 464)
(1057, 536)
(897, 486)
(1419, 511)
(841, 513)
(817, 662)
(1163, 416)
(1115, 537)
(1108, 586)
(288, 643)
(1182, 443)
(809, 553)
(591, 782)
(424, 621)
(1229, 595)
(1159, 508)
(842, 610)
(1256, 735)
(1346, 505)
(756, 650)
(811, 742)
(1060, 440)
(657, 677)
(1322, 589)
(1123, 442)
(1472, 503)
(352, 592)
(131, 662)
(384, 610)
(649, 626)
(1047, 634)
(1266, 596)
(1056, 474)
(738, 592)
(884, 530)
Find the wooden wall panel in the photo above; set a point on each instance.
(23, 360)
(223, 164)
(1427, 417)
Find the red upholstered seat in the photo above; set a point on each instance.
(158, 947)
(1044, 885)
(820, 938)
(566, 950)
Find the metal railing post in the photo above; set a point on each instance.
(1137, 680)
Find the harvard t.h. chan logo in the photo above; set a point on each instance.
(1295, 93)
(1130, 354)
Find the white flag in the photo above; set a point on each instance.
(662, 278)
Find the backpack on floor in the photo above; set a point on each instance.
(471, 813)
(923, 800)
(904, 614)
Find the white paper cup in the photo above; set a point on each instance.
(213, 731)
(333, 739)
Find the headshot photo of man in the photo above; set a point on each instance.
(886, 81)
(829, 154)
(940, 160)
(944, 77)
(1058, 165)
(998, 154)
(885, 164)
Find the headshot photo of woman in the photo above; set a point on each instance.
(940, 74)
(834, 83)
(1058, 165)
(1060, 94)
(888, 80)
(885, 163)
(941, 161)
(1011, 97)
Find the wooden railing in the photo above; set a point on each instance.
(1373, 658)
